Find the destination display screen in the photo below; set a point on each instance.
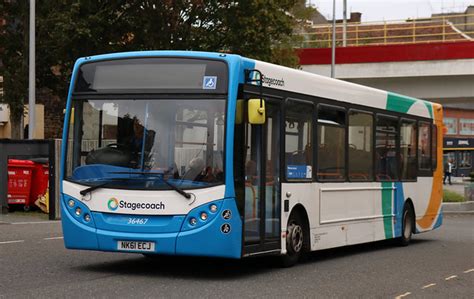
(153, 74)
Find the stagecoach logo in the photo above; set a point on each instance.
(112, 204)
(269, 81)
(209, 82)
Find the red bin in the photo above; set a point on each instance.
(40, 179)
(19, 181)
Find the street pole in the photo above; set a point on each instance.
(32, 78)
(344, 23)
(333, 46)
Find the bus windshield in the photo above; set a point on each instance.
(181, 141)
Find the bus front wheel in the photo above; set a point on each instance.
(294, 240)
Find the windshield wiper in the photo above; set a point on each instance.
(158, 175)
(92, 188)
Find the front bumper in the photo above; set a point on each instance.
(173, 235)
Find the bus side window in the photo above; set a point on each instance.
(424, 143)
(434, 147)
(361, 164)
(331, 165)
(408, 138)
(386, 165)
(298, 140)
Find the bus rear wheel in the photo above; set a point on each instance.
(294, 240)
(408, 222)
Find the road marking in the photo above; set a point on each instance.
(37, 222)
(403, 295)
(11, 242)
(470, 270)
(450, 277)
(428, 286)
(54, 238)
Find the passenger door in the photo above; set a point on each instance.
(259, 195)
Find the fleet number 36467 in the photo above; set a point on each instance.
(137, 221)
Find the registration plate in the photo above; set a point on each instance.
(136, 246)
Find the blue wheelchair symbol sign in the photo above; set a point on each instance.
(209, 82)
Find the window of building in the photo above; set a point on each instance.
(386, 148)
(408, 149)
(331, 143)
(466, 126)
(424, 151)
(299, 140)
(360, 153)
(465, 159)
(451, 125)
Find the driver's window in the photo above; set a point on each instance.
(298, 140)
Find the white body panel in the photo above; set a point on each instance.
(349, 213)
(315, 85)
(173, 202)
(417, 191)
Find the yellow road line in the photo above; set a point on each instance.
(402, 295)
(54, 238)
(428, 286)
(450, 277)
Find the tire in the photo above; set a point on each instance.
(295, 240)
(408, 221)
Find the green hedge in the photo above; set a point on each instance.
(450, 196)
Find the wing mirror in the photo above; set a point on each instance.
(256, 110)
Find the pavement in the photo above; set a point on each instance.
(19, 217)
(457, 186)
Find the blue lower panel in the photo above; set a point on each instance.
(76, 234)
(439, 221)
(399, 202)
(150, 224)
(219, 236)
(164, 243)
(211, 239)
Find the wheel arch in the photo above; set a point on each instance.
(301, 211)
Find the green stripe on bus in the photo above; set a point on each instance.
(387, 191)
(399, 103)
(430, 108)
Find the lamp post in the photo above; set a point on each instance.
(344, 23)
(32, 78)
(333, 46)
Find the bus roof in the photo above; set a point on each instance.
(284, 78)
(299, 81)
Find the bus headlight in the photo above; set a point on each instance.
(213, 208)
(203, 216)
(87, 217)
(70, 203)
(78, 211)
(193, 221)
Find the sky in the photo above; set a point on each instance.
(379, 10)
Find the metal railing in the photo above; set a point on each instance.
(455, 27)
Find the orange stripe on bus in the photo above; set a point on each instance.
(436, 197)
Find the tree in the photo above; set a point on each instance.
(14, 49)
(69, 29)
